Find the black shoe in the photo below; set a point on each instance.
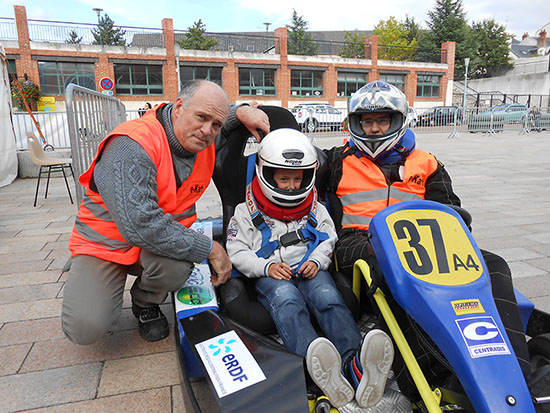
(153, 325)
(539, 385)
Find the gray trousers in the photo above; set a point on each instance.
(92, 297)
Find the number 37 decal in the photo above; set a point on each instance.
(433, 247)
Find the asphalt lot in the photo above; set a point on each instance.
(503, 180)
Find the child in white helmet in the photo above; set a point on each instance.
(283, 237)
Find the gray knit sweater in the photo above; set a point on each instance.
(125, 176)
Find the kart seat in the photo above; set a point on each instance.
(238, 296)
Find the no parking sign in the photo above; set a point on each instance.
(107, 84)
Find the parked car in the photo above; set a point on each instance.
(314, 116)
(440, 116)
(510, 112)
(412, 117)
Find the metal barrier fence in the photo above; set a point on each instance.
(90, 116)
(453, 120)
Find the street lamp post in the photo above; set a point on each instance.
(466, 63)
(267, 35)
(98, 11)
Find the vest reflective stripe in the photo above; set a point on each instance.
(95, 233)
(363, 190)
(186, 214)
(111, 244)
(355, 220)
(96, 209)
(400, 195)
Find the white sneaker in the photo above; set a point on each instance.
(376, 358)
(325, 368)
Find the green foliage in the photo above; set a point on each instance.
(27, 90)
(491, 50)
(107, 34)
(393, 40)
(195, 38)
(447, 22)
(299, 41)
(73, 38)
(355, 45)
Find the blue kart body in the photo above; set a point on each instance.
(447, 291)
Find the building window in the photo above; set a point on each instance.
(12, 73)
(397, 80)
(214, 74)
(257, 82)
(349, 82)
(427, 86)
(56, 76)
(138, 79)
(306, 83)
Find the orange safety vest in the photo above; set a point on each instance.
(364, 191)
(95, 233)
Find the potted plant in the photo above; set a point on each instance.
(27, 90)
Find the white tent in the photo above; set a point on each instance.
(8, 155)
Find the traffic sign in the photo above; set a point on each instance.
(106, 83)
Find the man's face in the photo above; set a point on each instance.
(198, 121)
(375, 123)
(288, 178)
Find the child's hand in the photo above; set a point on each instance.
(280, 271)
(308, 270)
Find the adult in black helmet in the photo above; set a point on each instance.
(381, 166)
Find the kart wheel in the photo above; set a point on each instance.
(539, 351)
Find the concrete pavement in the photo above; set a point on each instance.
(503, 180)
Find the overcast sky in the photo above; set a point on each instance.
(249, 15)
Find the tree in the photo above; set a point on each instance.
(425, 51)
(195, 39)
(355, 45)
(73, 38)
(107, 34)
(491, 53)
(393, 40)
(447, 22)
(299, 41)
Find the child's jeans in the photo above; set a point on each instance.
(290, 303)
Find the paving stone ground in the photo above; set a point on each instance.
(503, 180)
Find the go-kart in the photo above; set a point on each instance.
(427, 267)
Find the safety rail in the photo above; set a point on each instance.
(91, 116)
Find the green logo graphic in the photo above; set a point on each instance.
(195, 295)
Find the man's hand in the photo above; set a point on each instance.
(280, 271)
(254, 119)
(308, 270)
(220, 263)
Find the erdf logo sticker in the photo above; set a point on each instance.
(482, 336)
(229, 363)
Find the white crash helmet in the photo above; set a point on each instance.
(286, 149)
(378, 97)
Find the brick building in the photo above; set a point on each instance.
(151, 71)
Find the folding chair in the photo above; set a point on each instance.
(52, 164)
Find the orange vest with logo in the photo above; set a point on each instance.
(364, 191)
(95, 233)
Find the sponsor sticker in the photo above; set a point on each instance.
(229, 364)
(197, 291)
(482, 336)
(472, 306)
